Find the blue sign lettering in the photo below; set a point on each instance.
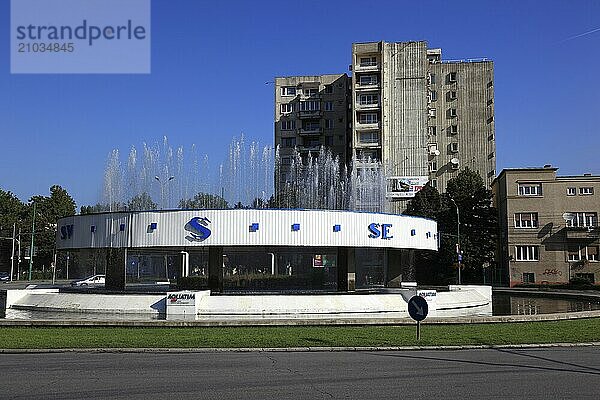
(66, 231)
(383, 233)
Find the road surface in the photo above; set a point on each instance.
(555, 373)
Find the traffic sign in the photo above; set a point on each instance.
(418, 308)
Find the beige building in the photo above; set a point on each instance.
(549, 229)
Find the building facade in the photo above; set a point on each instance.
(549, 230)
(417, 114)
(310, 112)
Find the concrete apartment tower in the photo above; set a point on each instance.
(310, 112)
(417, 114)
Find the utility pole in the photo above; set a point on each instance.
(32, 235)
(458, 253)
(12, 254)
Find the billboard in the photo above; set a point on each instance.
(404, 186)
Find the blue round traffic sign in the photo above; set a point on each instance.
(418, 308)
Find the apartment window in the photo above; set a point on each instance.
(571, 191)
(368, 61)
(310, 105)
(329, 106)
(431, 112)
(585, 276)
(583, 219)
(329, 89)
(526, 220)
(368, 99)
(452, 77)
(312, 143)
(453, 129)
(592, 253)
(452, 95)
(288, 91)
(454, 147)
(288, 125)
(432, 130)
(530, 189)
(527, 253)
(586, 191)
(431, 79)
(311, 91)
(369, 137)
(329, 124)
(328, 140)
(528, 277)
(452, 113)
(310, 126)
(433, 166)
(369, 118)
(433, 183)
(578, 253)
(432, 95)
(366, 80)
(286, 160)
(573, 253)
(288, 142)
(287, 108)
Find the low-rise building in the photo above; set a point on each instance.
(549, 231)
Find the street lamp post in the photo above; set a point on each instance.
(32, 235)
(162, 188)
(458, 254)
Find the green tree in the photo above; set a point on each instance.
(98, 208)
(478, 229)
(478, 222)
(204, 201)
(11, 209)
(48, 210)
(141, 202)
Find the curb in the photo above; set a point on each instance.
(232, 322)
(293, 349)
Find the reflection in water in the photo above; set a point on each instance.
(505, 304)
(27, 314)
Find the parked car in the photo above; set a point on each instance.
(96, 280)
(4, 277)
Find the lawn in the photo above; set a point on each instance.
(574, 331)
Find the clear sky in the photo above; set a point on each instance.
(211, 59)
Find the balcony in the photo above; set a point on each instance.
(309, 130)
(310, 114)
(367, 127)
(367, 67)
(583, 232)
(367, 107)
(366, 86)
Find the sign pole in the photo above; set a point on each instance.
(418, 330)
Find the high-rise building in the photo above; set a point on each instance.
(310, 112)
(423, 118)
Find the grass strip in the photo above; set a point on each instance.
(573, 331)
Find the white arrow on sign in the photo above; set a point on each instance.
(419, 309)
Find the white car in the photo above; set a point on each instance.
(96, 280)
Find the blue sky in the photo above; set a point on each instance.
(210, 62)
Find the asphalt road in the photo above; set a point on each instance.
(557, 373)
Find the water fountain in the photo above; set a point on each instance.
(169, 175)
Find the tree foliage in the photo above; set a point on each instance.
(141, 202)
(204, 201)
(478, 228)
